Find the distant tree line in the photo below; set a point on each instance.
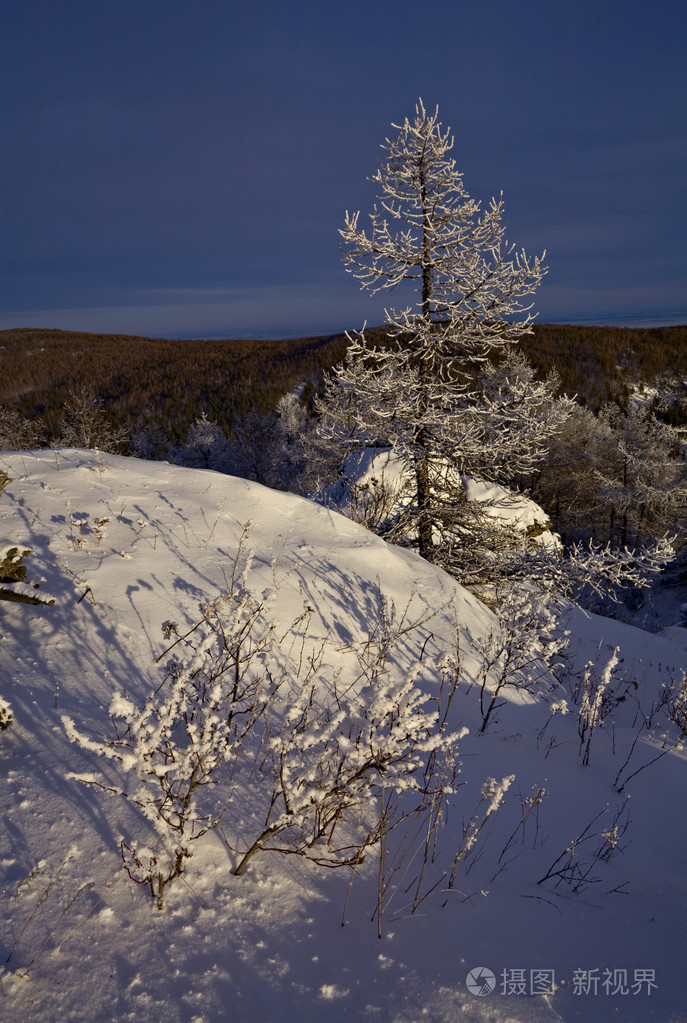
(247, 408)
(148, 383)
(602, 364)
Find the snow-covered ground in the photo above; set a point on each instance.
(381, 471)
(124, 546)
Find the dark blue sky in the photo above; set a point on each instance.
(182, 166)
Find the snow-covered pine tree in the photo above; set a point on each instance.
(645, 488)
(16, 432)
(421, 392)
(85, 424)
(567, 482)
(206, 446)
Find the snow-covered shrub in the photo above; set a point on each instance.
(372, 489)
(16, 432)
(252, 448)
(519, 652)
(373, 502)
(596, 691)
(85, 424)
(577, 865)
(206, 446)
(348, 751)
(664, 722)
(196, 721)
(296, 454)
(324, 762)
(677, 712)
(644, 489)
(433, 871)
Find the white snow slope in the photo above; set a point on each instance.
(125, 545)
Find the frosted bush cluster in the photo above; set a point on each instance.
(253, 730)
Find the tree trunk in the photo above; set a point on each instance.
(424, 530)
(422, 461)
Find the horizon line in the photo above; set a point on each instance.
(332, 328)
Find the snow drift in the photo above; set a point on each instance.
(561, 881)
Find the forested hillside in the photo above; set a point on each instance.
(154, 380)
(601, 364)
(170, 383)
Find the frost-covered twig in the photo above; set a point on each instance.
(576, 871)
(591, 709)
(530, 805)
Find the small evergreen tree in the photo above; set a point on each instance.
(423, 392)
